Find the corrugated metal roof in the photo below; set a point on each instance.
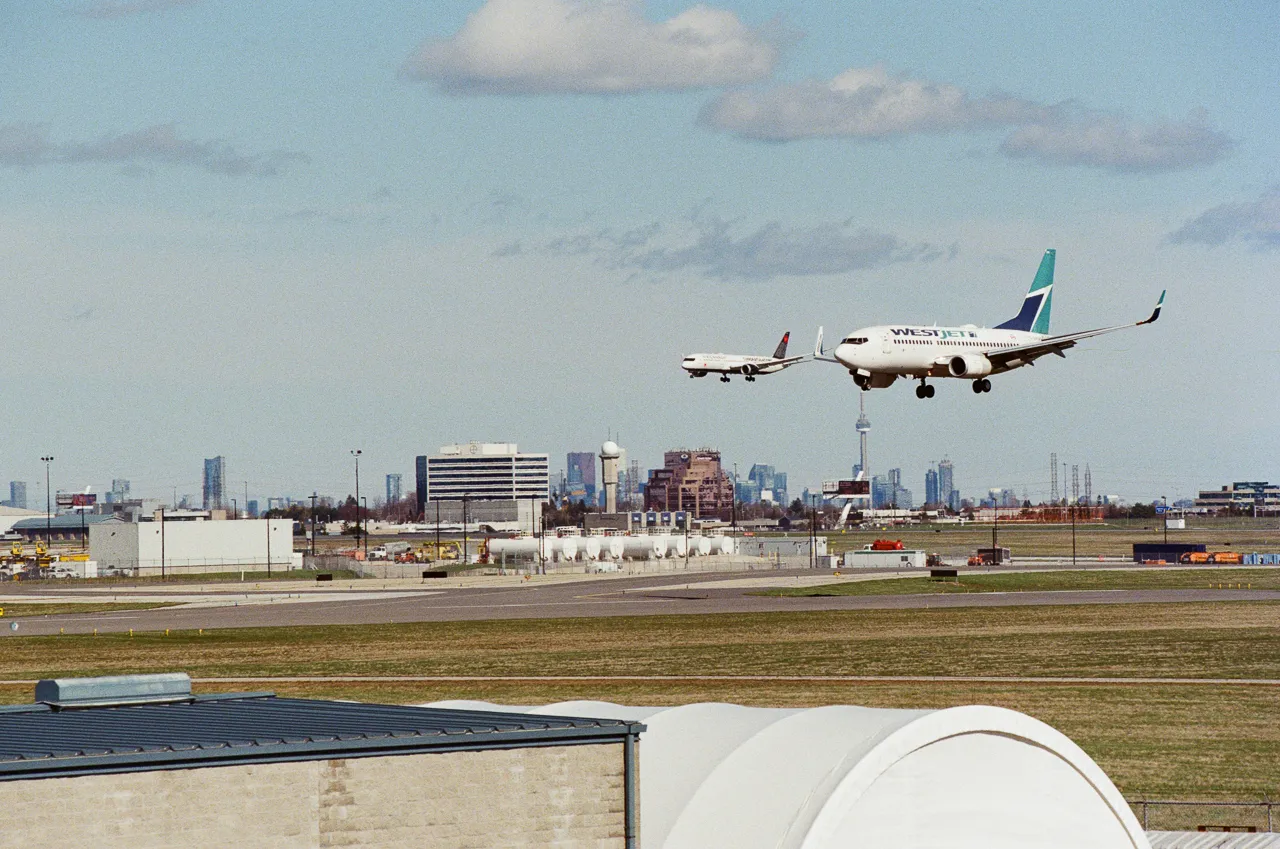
(63, 521)
(1212, 840)
(38, 741)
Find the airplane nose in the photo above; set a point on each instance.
(843, 353)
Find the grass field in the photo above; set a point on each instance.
(1154, 739)
(1010, 582)
(1114, 539)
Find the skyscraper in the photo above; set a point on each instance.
(119, 490)
(931, 487)
(214, 491)
(18, 494)
(947, 493)
(394, 489)
(580, 476)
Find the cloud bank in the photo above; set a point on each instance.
(1255, 221)
(771, 251)
(28, 145)
(868, 103)
(126, 8)
(586, 47)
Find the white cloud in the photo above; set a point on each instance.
(28, 145)
(770, 251)
(593, 47)
(860, 103)
(126, 8)
(868, 103)
(1257, 221)
(1079, 137)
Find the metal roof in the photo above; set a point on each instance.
(63, 521)
(43, 741)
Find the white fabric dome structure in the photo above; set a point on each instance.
(721, 775)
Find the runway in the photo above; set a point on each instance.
(373, 602)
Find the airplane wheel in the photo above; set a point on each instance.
(929, 391)
(724, 379)
(986, 385)
(920, 393)
(977, 387)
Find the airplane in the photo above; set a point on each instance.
(877, 356)
(699, 365)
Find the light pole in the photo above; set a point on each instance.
(1164, 517)
(356, 452)
(314, 495)
(366, 528)
(735, 499)
(464, 530)
(48, 514)
(235, 509)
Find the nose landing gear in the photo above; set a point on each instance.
(980, 386)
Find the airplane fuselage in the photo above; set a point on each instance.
(699, 365)
(897, 350)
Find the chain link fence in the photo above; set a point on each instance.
(1178, 815)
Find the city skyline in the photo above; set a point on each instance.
(348, 210)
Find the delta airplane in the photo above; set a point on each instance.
(700, 365)
(877, 356)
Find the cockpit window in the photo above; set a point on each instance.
(855, 340)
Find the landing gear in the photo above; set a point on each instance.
(980, 386)
(724, 378)
(751, 379)
(924, 390)
(863, 382)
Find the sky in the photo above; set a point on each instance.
(281, 231)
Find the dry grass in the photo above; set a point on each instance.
(19, 610)
(1181, 741)
(1150, 578)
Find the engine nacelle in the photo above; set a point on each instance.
(969, 365)
(750, 369)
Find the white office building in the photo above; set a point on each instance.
(498, 483)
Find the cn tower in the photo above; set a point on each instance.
(863, 427)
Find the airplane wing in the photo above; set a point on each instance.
(1027, 354)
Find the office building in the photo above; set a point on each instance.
(1245, 496)
(692, 481)
(947, 492)
(394, 489)
(580, 476)
(769, 485)
(496, 480)
(214, 477)
(931, 488)
(18, 494)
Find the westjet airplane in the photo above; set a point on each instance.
(877, 356)
(699, 365)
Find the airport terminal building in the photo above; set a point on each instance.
(493, 481)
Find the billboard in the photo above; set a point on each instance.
(76, 499)
(846, 488)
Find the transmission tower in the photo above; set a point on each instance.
(1088, 485)
(1075, 484)
(1053, 478)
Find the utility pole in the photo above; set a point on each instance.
(365, 535)
(735, 499)
(1072, 508)
(356, 452)
(464, 530)
(313, 522)
(162, 543)
(48, 502)
(268, 548)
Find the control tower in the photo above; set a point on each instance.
(863, 427)
(609, 456)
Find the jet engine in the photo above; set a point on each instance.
(969, 365)
(750, 369)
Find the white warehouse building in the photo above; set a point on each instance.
(721, 775)
(154, 548)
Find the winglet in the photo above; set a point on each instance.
(817, 346)
(1155, 313)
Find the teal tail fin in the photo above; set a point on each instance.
(1034, 315)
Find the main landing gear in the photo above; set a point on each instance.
(724, 378)
(750, 379)
(980, 386)
(924, 390)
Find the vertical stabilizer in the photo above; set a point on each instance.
(1034, 315)
(782, 346)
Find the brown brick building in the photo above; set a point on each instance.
(692, 481)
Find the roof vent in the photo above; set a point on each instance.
(111, 690)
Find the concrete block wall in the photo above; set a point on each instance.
(558, 796)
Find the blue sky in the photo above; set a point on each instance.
(279, 231)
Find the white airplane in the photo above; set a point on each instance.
(700, 365)
(877, 356)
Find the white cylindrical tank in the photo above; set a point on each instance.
(678, 546)
(724, 545)
(522, 547)
(642, 547)
(590, 547)
(703, 546)
(567, 548)
(611, 548)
